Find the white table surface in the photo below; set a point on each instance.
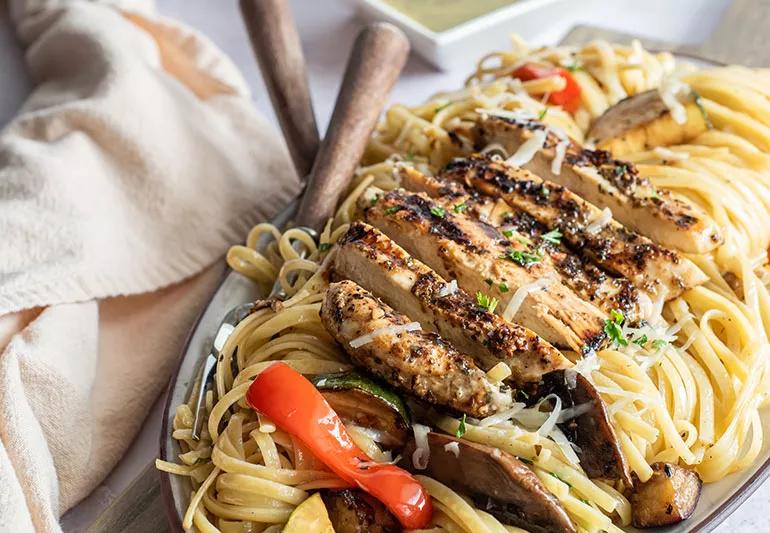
(328, 28)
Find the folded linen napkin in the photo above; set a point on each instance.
(135, 162)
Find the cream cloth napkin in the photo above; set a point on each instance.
(135, 162)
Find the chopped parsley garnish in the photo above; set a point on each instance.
(703, 112)
(461, 428)
(574, 66)
(409, 156)
(659, 344)
(545, 191)
(459, 208)
(437, 211)
(489, 281)
(640, 341)
(375, 199)
(553, 236)
(508, 233)
(507, 216)
(486, 302)
(612, 327)
(542, 114)
(521, 257)
(620, 170)
(393, 209)
(324, 246)
(503, 287)
(523, 240)
(441, 107)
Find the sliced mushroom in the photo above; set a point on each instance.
(495, 480)
(354, 511)
(643, 121)
(668, 497)
(592, 433)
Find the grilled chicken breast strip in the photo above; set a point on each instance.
(660, 272)
(578, 273)
(418, 362)
(372, 260)
(483, 261)
(606, 182)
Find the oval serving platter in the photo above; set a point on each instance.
(718, 500)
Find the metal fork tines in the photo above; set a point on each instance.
(226, 327)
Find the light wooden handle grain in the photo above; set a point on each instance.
(277, 46)
(379, 54)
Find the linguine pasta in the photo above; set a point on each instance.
(692, 396)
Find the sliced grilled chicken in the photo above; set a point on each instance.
(371, 259)
(578, 273)
(418, 362)
(597, 445)
(495, 480)
(486, 264)
(643, 121)
(606, 182)
(660, 272)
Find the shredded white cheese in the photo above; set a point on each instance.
(447, 289)
(421, 453)
(453, 448)
(670, 155)
(669, 92)
(575, 411)
(495, 147)
(558, 159)
(550, 422)
(499, 372)
(528, 149)
(521, 294)
(502, 416)
(516, 114)
(587, 364)
(387, 330)
(597, 225)
(564, 445)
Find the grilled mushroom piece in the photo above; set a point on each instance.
(354, 511)
(668, 497)
(598, 447)
(643, 121)
(495, 480)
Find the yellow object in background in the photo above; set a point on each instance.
(441, 15)
(310, 517)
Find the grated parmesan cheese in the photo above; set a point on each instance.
(453, 448)
(597, 225)
(528, 149)
(392, 330)
(521, 294)
(502, 416)
(669, 92)
(447, 289)
(560, 151)
(421, 453)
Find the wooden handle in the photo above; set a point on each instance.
(378, 56)
(276, 44)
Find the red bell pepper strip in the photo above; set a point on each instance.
(568, 98)
(295, 405)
